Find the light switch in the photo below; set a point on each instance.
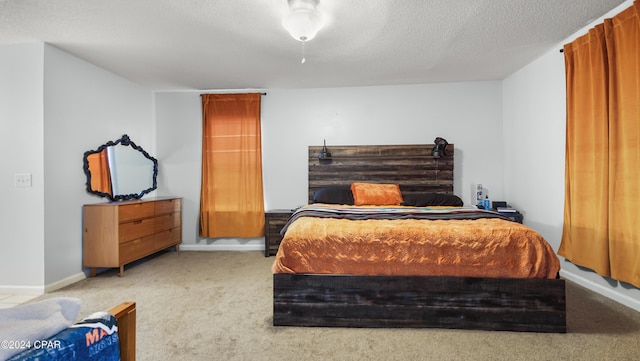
(23, 180)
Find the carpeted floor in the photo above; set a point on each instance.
(218, 306)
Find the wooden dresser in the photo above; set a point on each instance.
(118, 233)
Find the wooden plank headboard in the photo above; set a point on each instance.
(411, 166)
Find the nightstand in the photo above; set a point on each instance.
(274, 220)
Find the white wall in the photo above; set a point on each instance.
(179, 139)
(466, 114)
(54, 108)
(534, 146)
(85, 106)
(21, 126)
(534, 138)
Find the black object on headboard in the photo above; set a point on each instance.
(413, 167)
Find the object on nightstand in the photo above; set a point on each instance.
(487, 203)
(507, 211)
(499, 204)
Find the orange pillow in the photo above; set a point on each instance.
(369, 194)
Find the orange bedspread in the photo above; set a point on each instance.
(494, 248)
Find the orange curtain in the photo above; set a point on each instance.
(602, 184)
(623, 45)
(231, 200)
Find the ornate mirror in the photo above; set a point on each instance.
(120, 170)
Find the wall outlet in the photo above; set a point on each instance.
(23, 180)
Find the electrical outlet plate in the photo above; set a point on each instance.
(23, 180)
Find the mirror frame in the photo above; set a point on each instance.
(125, 141)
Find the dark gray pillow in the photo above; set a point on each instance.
(333, 195)
(432, 199)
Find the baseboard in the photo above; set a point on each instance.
(21, 290)
(65, 282)
(222, 247)
(605, 291)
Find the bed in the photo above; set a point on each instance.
(48, 330)
(347, 284)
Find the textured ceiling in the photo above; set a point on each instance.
(240, 44)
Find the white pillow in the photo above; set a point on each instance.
(36, 321)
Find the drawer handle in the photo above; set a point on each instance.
(138, 221)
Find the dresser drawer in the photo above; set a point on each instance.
(168, 206)
(274, 226)
(127, 212)
(167, 221)
(136, 229)
(168, 238)
(136, 249)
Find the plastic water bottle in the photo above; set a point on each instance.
(487, 203)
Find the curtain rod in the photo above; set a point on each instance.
(263, 93)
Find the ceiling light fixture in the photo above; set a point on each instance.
(303, 21)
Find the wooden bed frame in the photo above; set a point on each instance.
(537, 305)
(125, 314)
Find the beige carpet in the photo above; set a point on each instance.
(218, 306)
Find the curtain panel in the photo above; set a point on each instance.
(602, 172)
(231, 200)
